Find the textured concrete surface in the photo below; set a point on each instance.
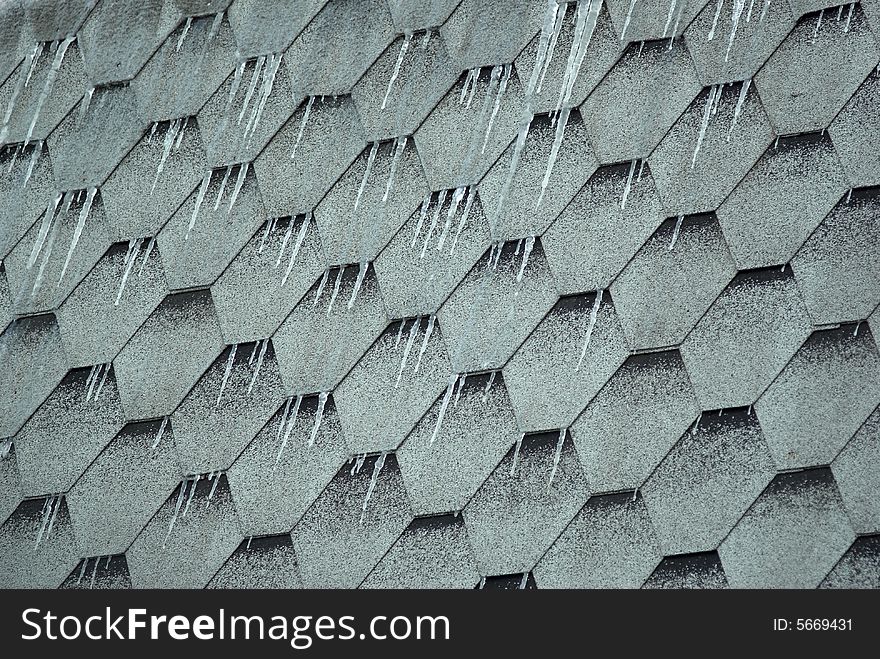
(439, 293)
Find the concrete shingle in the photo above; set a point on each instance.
(813, 73)
(282, 471)
(23, 197)
(859, 567)
(123, 488)
(707, 481)
(267, 562)
(791, 536)
(854, 129)
(857, 472)
(821, 398)
(565, 361)
(781, 200)
(618, 449)
(702, 571)
(652, 19)
(518, 513)
(584, 246)
(444, 460)
(269, 26)
(668, 285)
(433, 552)
(745, 338)
(11, 47)
(412, 15)
(838, 268)
(340, 539)
(609, 544)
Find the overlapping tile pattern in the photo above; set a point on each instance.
(439, 293)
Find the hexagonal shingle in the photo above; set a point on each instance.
(791, 536)
(810, 77)
(269, 26)
(651, 19)
(609, 544)
(703, 570)
(23, 197)
(571, 354)
(99, 573)
(784, 196)
(821, 398)
(519, 512)
(685, 268)
(419, 14)
(745, 338)
(267, 562)
(618, 449)
(857, 472)
(853, 131)
(445, 459)
(707, 481)
(858, 568)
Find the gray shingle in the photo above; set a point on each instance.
(392, 385)
(812, 74)
(511, 198)
(370, 202)
(414, 275)
(609, 544)
(518, 513)
(123, 488)
(23, 197)
(267, 562)
(445, 459)
(433, 552)
(838, 268)
(419, 14)
(11, 47)
(338, 541)
(294, 185)
(859, 567)
(791, 536)
(567, 359)
(166, 356)
(619, 449)
(781, 200)
(99, 573)
(584, 246)
(652, 19)
(707, 481)
(657, 86)
(282, 471)
(10, 481)
(497, 305)
(326, 60)
(706, 153)
(68, 431)
(821, 398)
(33, 363)
(855, 129)
(47, 20)
(745, 338)
(702, 571)
(857, 472)
(122, 309)
(322, 338)
(205, 532)
(268, 278)
(668, 285)
(269, 26)
(28, 564)
(226, 408)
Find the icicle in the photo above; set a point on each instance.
(192, 492)
(47, 87)
(291, 422)
(296, 246)
(319, 415)
(82, 570)
(696, 424)
(47, 254)
(199, 199)
(707, 112)
(765, 9)
(130, 257)
(302, 126)
(675, 232)
(628, 187)
(14, 159)
(180, 495)
(488, 386)
(470, 81)
(422, 214)
(229, 361)
(498, 253)
(270, 226)
(236, 83)
(711, 34)
(740, 103)
(370, 160)
(437, 209)
(399, 146)
(358, 464)
(818, 24)
(516, 451)
(527, 250)
(87, 100)
(362, 272)
(152, 134)
(266, 91)
(473, 89)
(472, 193)
(167, 145)
(482, 583)
(256, 374)
(5, 448)
(626, 22)
(406, 350)
(22, 83)
(403, 48)
(518, 147)
(849, 195)
(553, 21)
(48, 217)
(524, 581)
(215, 24)
(848, 18)
(183, 34)
(94, 574)
(462, 380)
(444, 405)
(35, 156)
(103, 380)
(669, 18)
(252, 86)
(749, 12)
(594, 314)
(250, 539)
(377, 467)
(428, 332)
(253, 353)
(502, 87)
(399, 333)
(635, 495)
(239, 182)
(216, 481)
(283, 419)
(160, 433)
(738, 6)
(457, 196)
(77, 232)
(47, 510)
(89, 386)
(147, 253)
(336, 286)
(321, 286)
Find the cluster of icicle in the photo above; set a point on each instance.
(84, 567)
(259, 88)
(414, 329)
(289, 416)
(408, 38)
(358, 463)
(337, 284)
(95, 382)
(398, 146)
(452, 395)
(713, 100)
(258, 354)
(557, 455)
(523, 246)
(17, 151)
(48, 515)
(297, 242)
(192, 482)
(458, 195)
(203, 190)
